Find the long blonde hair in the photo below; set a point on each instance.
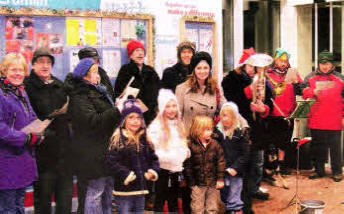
(233, 117)
(165, 136)
(132, 138)
(13, 58)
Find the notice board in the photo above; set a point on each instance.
(65, 33)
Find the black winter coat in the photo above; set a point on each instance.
(54, 153)
(105, 80)
(124, 158)
(175, 75)
(205, 166)
(94, 119)
(147, 80)
(236, 150)
(233, 88)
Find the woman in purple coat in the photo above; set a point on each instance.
(17, 163)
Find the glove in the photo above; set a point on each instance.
(130, 178)
(151, 175)
(34, 139)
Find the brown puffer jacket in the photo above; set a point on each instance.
(205, 166)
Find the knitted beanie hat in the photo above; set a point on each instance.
(130, 106)
(185, 45)
(82, 68)
(199, 56)
(133, 45)
(165, 95)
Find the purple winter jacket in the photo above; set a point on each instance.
(17, 162)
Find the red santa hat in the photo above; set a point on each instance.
(246, 54)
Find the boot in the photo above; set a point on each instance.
(284, 169)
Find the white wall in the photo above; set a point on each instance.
(167, 23)
(238, 30)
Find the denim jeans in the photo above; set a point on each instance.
(12, 201)
(130, 204)
(49, 183)
(231, 193)
(99, 195)
(256, 163)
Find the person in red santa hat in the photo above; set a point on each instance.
(286, 84)
(145, 79)
(237, 87)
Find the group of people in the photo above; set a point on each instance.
(184, 136)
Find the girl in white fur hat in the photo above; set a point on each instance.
(167, 133)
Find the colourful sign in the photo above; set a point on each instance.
(53, 4)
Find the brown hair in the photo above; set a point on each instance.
(210, 83)
(199, 124)
(13, 58)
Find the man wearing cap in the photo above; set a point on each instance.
(325, 85)
(145, 79)
(237, 87)
(285, 83)
(92, 53)
(50, 101)
(177, 74)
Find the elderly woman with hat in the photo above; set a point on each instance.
(17, 155)
(178, 73)
(145, 79)
(326, 86)
(94, 117)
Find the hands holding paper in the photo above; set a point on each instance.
(292, 76)
(321, 86)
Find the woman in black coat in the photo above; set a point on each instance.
(94, 118)
(145, 79)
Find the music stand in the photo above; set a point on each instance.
(301, 111)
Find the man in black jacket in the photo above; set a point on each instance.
(49, 101)
(177, 74)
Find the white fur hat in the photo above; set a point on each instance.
(233, 106)
(165, 95)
